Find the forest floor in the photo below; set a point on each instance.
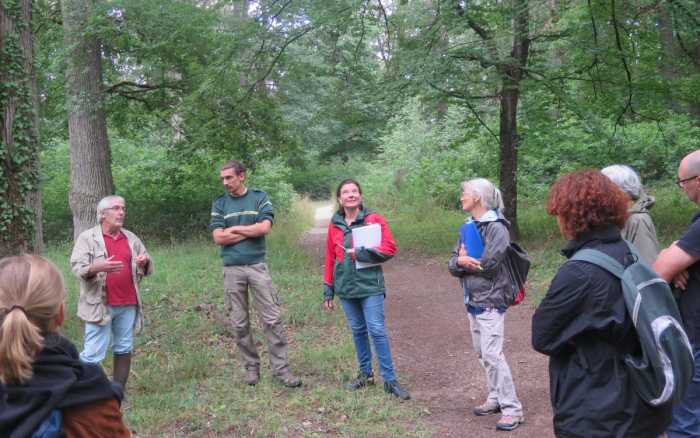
(432, 348)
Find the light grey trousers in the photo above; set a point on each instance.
(487, 339)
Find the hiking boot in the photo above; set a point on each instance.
(288, 379)
(488, 408)
(251, 376)
(508, 422)
(121, 367)
(361, 381)
(394, 389)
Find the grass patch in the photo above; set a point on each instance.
(186, 378)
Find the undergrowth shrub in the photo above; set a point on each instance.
(167, 199)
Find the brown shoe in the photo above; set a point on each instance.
(252, 376)
(508, 422)
(288, 379)
(487, 408)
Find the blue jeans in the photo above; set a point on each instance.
(686, 416)
(367, 315)
(120, 329)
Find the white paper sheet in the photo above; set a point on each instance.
(368, 236)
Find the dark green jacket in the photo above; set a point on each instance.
(341, 277)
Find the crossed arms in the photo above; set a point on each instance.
(672, 263)
(233, 235)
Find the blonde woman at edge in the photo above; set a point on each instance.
(43, 384)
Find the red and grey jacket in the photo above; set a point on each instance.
(341, 277)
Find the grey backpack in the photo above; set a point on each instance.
(662, 371)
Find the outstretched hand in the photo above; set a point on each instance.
(108, 265)
(142, 260)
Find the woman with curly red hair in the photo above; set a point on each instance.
(582, 323)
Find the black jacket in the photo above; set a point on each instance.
(583, 325)
(60, 381)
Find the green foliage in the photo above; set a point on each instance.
(653, 149)
(273, 176)
(166, 200)
(428, 157)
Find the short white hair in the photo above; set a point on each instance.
(488, 194)
(105, 203)
(625, 178)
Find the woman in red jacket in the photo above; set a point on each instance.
(360, 289)
(43, 384)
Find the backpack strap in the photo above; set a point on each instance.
(600, 259)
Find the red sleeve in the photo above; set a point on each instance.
(387, 245)
(329, 262)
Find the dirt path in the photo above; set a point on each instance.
(432, 349)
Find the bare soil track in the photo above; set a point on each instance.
(433, 355)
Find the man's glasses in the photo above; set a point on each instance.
(117, 208)
(680, 182)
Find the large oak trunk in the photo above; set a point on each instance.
(91, 172)
(21, 201)
(34, 199)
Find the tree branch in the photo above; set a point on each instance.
(362, 35)
(618, 44)
(595, 61)
(386, 25)
(140, 88)
(465, 99)
(276, 58)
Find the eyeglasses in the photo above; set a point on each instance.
(117, 208)
(680, 182)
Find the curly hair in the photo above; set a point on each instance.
(586, 199)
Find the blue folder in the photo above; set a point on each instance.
(470, 237)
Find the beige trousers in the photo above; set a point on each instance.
(487, 338)
(238, 282)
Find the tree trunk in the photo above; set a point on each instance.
(508, 162)
(512, 75)
(90, 156)
(18, 130)
(667, 67)
(558, 53)
(34, 197)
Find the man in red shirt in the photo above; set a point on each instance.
(110, 261)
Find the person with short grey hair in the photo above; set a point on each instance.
(105, 204)
(110, 262)
(639, 228)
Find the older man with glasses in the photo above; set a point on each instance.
(679, 264)
(110, 262)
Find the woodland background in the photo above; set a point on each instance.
(148, 98)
